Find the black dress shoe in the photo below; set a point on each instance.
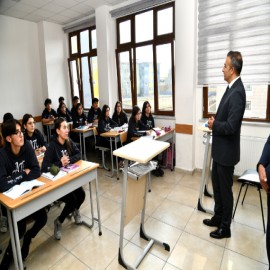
(221, 233)
(211, 222)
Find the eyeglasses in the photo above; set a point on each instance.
(107, 110)
(18, 133)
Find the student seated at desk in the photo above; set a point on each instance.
(61, 152)
(32, 134)
(18, 163)
(75, 101)
(62, 100)
(136, 128)
(48, 114)
(94, 113)
(119, 116)
(64, 112)
(147, 117)
(105, 124)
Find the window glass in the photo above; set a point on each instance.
(125, 80)
(164, 77)
(74, 76)
(144, 26)
(256, 100)
(125, 35)
(84, 39)
(145, 75)
(165, 21)
(94, 68)
(74, 45)
(87, 97)
(94, 39)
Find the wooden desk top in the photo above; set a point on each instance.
(112, 133)
(85, 167)
(141, 150)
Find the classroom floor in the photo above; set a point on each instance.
(171, 216)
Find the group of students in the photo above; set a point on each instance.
(18, 159)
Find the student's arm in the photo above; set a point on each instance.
(113, 123)
(32, 167)
(90, 116)
(50, 158)
(76, 154)
(102, 126)
(41, 141)
(125, 118)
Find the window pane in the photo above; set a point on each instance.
(87, 96)
(74, 45)
(164, 77)
(144, 26)
(94, 68)
(124, 28)
(94, 39)
(256, 100)
(165, 21)
(74, 77)
(125, 80)
(145, 75)
(84, 39)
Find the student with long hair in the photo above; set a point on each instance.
(119, 116)
(18, 163)
(61, 152)
(147, 117)
(105, 124)
(136, 128)
(64, 112)
(32, 134)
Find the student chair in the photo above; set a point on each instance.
(102, 149)
(250, 178)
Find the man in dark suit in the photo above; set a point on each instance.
(263, 169)
(226, 128)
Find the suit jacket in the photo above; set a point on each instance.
(227, 126)
(265, 159)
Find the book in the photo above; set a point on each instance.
(52, 177)
(24, 187)
(70, 167)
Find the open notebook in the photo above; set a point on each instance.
(24, 187)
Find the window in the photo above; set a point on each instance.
(145, 59)
(83, 71)
(235, 25)
(257, 101)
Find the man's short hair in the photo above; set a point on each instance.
(9, 127)
(7, 116)
(60, 99)
(94, 100)
(75, 98)
(47, 101)
(236, 61)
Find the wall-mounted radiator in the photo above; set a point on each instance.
(251, 150)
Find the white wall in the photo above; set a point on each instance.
(20, 76)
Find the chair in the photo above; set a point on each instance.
(250, 178)
(102, 149)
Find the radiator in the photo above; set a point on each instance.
(251, 150)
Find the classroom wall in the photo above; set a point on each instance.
(20, 75)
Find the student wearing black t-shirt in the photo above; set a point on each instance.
(119, 116)
(18, 163)
(75, 101)
(48, 114)
(64, 112)
(94, 112)
(32, 134)
(147, 117)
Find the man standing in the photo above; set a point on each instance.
(226, 128)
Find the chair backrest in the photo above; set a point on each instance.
(123, 137)
(250, 176)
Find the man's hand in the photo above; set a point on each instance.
(211, 122)
(263, 178)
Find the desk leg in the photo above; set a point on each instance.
(173, 145)
(84, 148)
(111, 175)
(15, 240)
(81, 150)
(92, 208)
(203, 179)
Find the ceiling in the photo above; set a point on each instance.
(55, 11)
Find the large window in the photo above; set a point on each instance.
(145, 59)
(237, 25)
(257, 101)
(83, 69)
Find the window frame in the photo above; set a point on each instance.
(206, 114)
(131, 48)
(78, 58)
